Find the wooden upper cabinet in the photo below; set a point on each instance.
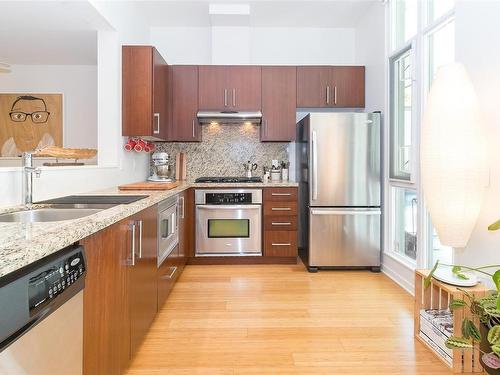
(229, 88)
(185, 126)
(145, 101)
(279, 92)
(330, 86)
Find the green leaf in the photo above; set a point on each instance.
(456, 269)
(496, 349)
(465, 329)
(492, 311)
(495, 225)
(455, 342)
(474, 331)
(494, 335)
(496, 279)
(462, 276)
(427, 280)
(457, 303)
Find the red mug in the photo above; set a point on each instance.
(140, 145)
(130, 144)
(149, 147)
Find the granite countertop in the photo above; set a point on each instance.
(24, 243)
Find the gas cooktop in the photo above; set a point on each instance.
(228, 179)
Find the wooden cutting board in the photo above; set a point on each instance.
(149, 186)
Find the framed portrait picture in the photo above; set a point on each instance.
(29, 121)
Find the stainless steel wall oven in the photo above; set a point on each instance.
(228, 222)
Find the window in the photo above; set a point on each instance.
(422, 39)
(401, 116)
(405, 21)
(441, 48)
(438, 8)
(405, 222)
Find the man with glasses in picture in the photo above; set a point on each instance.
(29, 112)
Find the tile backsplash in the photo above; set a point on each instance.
(224, 149)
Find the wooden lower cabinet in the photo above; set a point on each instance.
(167, 274)
(120, 295)
(106, 320)
(142, 276)
(280, 222)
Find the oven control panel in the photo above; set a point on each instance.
(228, 198)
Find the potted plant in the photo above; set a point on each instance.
(486, 309)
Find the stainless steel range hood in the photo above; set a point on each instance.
(230, 117)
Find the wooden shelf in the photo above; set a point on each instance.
(438, 296)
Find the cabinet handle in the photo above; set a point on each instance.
(281, 209)
(157, 117)
(225, 97)
(335, 95)
(193, 128)
(281, 194)
(140, 238)
(174, 270)
(281, 244)
(132, 247)
(281, 223)
(234, 97)
(327, 94)
(181, 205)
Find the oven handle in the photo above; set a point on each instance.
(228, 207)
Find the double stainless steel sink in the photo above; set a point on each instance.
(70, 208)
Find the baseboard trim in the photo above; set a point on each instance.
(398, 279)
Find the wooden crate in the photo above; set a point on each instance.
(438, 296)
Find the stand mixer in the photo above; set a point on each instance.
(162, 170)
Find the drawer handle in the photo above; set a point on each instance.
(281, 209)
(281, 244)
(281, 194)
(282, 223)
(174, 270)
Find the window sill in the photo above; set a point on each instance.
(401, 259)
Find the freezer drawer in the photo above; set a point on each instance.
(341, 237)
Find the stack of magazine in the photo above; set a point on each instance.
(436, 326)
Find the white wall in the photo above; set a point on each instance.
(255, 45)
(115, 166)
(477, 29)
(77, 83)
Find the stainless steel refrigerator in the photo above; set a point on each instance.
(338, 170)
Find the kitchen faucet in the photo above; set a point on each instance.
(28, 171)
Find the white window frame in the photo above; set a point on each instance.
(419, 46)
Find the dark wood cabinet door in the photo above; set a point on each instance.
(244, 87)
(186, 225)
(142, 276)
(279, 92)
(312, 86)
(212, 89)
(137, 91)
(106, 321)
(348, 84)
(161, 114)
(185, 126)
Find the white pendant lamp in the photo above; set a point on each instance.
(453, 161)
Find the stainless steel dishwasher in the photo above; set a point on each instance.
(41, 320)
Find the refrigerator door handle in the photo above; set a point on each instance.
(348, 211)
(314, 166)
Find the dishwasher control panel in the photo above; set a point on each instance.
(54, 279)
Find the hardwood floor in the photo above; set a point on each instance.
(280, 319)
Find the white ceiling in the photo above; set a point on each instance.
(263, 13)
(49, 32)
(64, 32)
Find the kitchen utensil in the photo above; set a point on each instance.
(249, 168)
(149, 186)
(139, 145)
(180, 166)
(284, 174)
(129, 146)
(162, 170)
(275, 175)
